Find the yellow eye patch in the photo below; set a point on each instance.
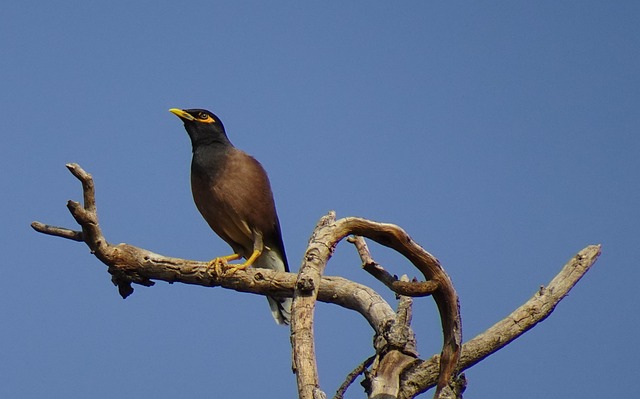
(204, 118)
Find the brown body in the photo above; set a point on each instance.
(232, 192)
(240, 207)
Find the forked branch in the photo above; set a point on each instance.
(423, 374)
(129, 265)
(327, 235)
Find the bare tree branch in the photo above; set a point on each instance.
(140, 266)
(325, 237)
(445, 295)
(413, 288)
(129, 264)
(396, 349)
(302, 309)
(396, 353)
(423, 374)
(351, 377)
(58, 231)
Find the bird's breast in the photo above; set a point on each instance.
(216, 206)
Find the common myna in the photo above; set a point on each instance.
(232, 192)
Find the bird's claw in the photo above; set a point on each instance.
(231, 269)
(216, 264)
(221, 265)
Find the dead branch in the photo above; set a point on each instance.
(132, 265)
(395, 351)
(406, 288)
(129, 264)
(423, 374)
(445, 295)
(327, 234)
(351, 377)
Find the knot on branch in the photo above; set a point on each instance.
(122, 282)
(395, 335)
(306, 285)
(123, 277)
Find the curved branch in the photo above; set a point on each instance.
(445, 295)
(132, 265)
(406, 288)
(128, 264)
(327, 234)
(423, 374)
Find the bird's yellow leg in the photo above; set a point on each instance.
(256, 253)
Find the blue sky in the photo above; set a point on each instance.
(503, 136)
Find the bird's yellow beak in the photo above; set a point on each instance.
(182, 114)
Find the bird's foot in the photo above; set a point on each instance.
(221, 263)
(231, 269)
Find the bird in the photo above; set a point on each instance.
(232, 191)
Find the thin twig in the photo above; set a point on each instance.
(351, 377)
(57, 231)
(406, 288)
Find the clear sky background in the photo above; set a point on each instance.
(503, 136)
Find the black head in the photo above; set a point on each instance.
(203, 126)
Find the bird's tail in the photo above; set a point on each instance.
(280, 309)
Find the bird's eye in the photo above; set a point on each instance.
(203, 116)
